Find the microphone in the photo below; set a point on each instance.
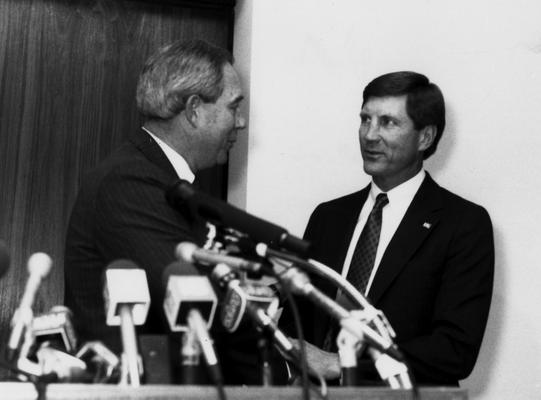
(237, 303)
(127, 301)
(56, 329)
(39, 265)
(222, 213)
(190, 304)
(101, 362)
(241, 298)
(93, 363)
(186, 290)
(391, 370)
(189, 252)
(394, 372)
(300, 284)
(65, 367)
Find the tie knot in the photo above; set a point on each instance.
(381, 201)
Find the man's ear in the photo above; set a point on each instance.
(427, 137)
(192, 109)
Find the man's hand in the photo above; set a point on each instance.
(319, 362)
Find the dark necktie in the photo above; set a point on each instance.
(362, 261)
(364, 255)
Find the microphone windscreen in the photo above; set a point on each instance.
(4, 258)
(125, 284)
(178, 268)
(39, 264)
(185, 251)
(122, 264)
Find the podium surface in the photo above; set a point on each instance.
(27, 391)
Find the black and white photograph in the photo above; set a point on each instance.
(270, 199)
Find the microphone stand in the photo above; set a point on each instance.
(130, 359)
(40, 382)
(348, 349)
(190, 354)
(264, 345)
(394, 372)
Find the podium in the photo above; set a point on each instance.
(27, 391)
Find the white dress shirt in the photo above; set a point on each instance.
(400, 198)
(177, 161)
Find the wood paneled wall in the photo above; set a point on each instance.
(68, 70)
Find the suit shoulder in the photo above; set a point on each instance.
(126, 161)
(343, 201)
(453, 199)
(125, 157)
(458, 205)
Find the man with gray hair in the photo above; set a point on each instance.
(189, 94)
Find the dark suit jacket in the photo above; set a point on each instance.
(434, 282)
(121, 213)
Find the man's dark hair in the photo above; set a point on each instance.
(177, 71)
(424, 103)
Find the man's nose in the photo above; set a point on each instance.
(370, 131)
(240, 122)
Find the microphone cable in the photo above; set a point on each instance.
(298, 328)
(306, 386)
(218, 382)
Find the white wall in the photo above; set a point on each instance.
(305, 62)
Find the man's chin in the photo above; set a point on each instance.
(372, 168)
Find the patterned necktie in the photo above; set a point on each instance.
(362, 263)
(364, 255)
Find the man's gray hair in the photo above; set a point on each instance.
(177, 71)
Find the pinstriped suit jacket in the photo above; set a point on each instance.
(434, 282)
(121, 213)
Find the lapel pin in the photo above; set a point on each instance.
(427, 225)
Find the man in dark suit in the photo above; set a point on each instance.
(430, 255)
(189, 94)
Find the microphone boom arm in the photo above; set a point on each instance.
(370, 313)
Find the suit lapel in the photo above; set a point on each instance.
(346, 221)
(332, 240)
(419, 221)
(153, 152)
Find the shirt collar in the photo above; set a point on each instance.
(177, 161)
(403, 193)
